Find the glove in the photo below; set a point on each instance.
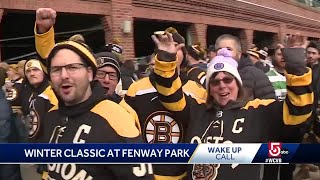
(295, 60)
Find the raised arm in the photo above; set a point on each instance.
(44, 32)
(297, 107)
(168, 83)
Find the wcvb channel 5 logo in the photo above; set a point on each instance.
(275, 150)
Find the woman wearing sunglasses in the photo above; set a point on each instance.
(228, 116)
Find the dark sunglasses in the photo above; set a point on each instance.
(225, 80)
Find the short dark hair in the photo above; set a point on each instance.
(314, 44)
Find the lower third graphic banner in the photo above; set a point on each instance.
(275, 153)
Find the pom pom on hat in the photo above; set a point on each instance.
(77, 38)
(223, 62)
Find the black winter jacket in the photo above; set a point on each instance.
(254, 80)
(5, 117)
(238, 122)
(96, 120)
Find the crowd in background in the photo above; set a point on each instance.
(178, 94)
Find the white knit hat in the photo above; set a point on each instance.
(223, 62)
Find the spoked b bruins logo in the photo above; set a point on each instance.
(12, 94)
(160, 127)
(34, 123)
(205, 171)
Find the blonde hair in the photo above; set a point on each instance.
(21, 63)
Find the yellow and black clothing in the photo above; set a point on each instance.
(14, 94)
(194, 73)
(44, 42)
(36, 102)
(45, 45)
(119, 100)
(237, 122)
(158, 124)
(96, 120)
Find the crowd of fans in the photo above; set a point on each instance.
(178, 94)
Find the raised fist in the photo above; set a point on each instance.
(45, 19)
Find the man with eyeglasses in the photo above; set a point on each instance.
(84, 115)
(108, 74)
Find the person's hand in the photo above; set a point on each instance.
(294, 54)
(306, 42)
(166, 43)
(296, 41)
(45, 19)
(8, 85)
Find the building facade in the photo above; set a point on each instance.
(278, 17)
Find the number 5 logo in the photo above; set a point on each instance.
(274, 149)
(142, 170)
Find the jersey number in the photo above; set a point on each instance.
(142, 170)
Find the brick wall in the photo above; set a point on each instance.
(245, 15)
(246, 37)
(199, 34)
(72, 6)
(122, 11)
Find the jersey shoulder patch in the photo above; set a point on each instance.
(118, 118)
(258, 102)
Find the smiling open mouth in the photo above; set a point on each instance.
(224, 94)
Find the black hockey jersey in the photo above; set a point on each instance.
(36, 102)
(13, 94)
(237, 122)
(158, 124)
(195, 74)
(96, 120)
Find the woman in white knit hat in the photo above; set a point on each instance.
(227, 116)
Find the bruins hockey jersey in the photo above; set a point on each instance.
(159, 125)
(195, 74)
(239, 121)
(13, 94)
(96, 120)
(36, 102)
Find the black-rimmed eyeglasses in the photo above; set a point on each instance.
(102, 74)
(70, 68)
